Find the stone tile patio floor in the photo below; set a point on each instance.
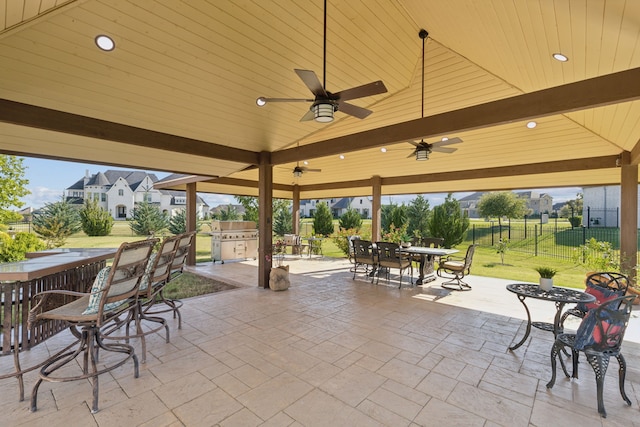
(332, 351)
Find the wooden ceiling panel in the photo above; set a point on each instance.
(194, 69)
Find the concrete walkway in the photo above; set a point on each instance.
(333, 351)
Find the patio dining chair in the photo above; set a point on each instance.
(113, 294)
(389, 256)
(456, 269)
(363, 257)
(599, 337)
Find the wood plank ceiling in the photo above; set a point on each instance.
(178, 92)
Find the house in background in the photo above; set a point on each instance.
(223, 208)
(601, 206)
(118, 191)
(537, 203)
(338, 206)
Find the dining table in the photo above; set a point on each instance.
(426, 271)
(560, 296)
(71, 269)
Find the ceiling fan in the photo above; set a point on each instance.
(299, 170)
(422, 148)
(325, 103)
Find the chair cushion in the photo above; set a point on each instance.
(602, 295)
(453, 265)
(144, 282)
(96, 294)
(589, 335)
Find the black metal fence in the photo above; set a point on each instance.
(551, 239)
(20, 226)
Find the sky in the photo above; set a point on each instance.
(49, 178)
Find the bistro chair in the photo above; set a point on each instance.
(389, 256)
(604, 286)
(363, 257)
(599, 337)
(113, 294)
(456, 269)
(350, 251)
(185, 241)
(155, 278)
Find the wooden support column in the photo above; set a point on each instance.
(376, 208)
(265, 208)
(192, 202)
(295, 212)
(628, 217)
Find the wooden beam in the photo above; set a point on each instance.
(596, 92)
(629, 217)
(376, 208)
(58, 121)
(634, 157)
(265, 209)
(192, 218)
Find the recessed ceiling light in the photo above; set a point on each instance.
(444, 138)
(341, 156)
(261, 102)
(532, 124)
(384, 150)
(105, 43)
(560, 57)
(305, 162)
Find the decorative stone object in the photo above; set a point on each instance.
(279, 278)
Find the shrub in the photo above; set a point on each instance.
(575, 221)
(16, 248)
(95, 220)
(341, 238)
(351, 219)
(448, 222)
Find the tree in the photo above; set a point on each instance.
(573, 207)
(395, 215)
(418, 215)
(178, 223)
(56, 221)
(95, 220)
(350, 219)
(250, 204)
(13, 184)
(230, 213)
(322, 220)
(282, 222)
(147, 219)
(448, 222)
(501, 204)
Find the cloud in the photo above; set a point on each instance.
(42, 195)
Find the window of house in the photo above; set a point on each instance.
(96, 196)
(120, 192)
(147, 197)
(104, 197)
(360, 201)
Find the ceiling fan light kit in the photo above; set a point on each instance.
(422, 154)
(323, 112)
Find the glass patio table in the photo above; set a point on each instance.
(557, 295)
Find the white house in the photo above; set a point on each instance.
(118, 191)
(338, 206)
(601, 206)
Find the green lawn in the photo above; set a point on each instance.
(517, 267)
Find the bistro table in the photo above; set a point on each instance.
(68, 269)
(426, 272)
(560, 296)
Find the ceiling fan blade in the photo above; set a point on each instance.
(353, 110)
(413, 153)
(414, 143)
(447, 142)
(310, 79)
(312, 170)
(286, 100)
(373, 88)
(308, 116)
(444, 149)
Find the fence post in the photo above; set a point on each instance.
(535, 245)
(473, 234)
(588, 216)
(509, 233)
(492, 232)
